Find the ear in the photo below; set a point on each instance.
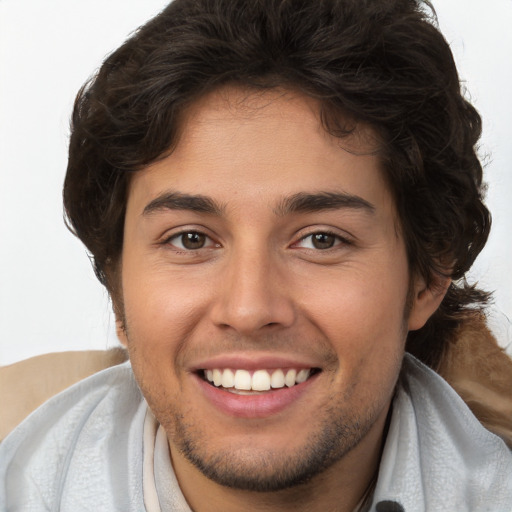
(121, 332)
(426, 300)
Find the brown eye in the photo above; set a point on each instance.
(193, 240)
(323, 240)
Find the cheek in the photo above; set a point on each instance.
(358, 304)
(160, 308)
(362, 314)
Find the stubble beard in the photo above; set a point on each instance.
(248, 469)
(339, 432)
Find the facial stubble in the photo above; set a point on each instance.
(338, 432)
(256, 470)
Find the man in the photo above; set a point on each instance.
(282, 197)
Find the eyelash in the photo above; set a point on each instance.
(338, 240)
(181, 234)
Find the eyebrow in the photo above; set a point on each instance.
(180, 201)
(301, 202)
(310, 203)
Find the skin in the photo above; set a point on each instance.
(259, 288)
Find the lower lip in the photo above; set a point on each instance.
(259, 405)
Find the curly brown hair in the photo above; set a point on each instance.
(383, 63)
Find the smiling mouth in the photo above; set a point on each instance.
(245, 382)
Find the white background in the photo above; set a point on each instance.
(49, 297)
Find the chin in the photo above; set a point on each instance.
(249, 467)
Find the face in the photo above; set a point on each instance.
(264, 284)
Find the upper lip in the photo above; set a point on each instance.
(254, 362)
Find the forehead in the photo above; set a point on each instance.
(263, 143)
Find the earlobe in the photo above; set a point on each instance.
(426, 300)
(121, 332)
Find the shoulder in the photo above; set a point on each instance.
(437, 403)
(437, 454)
(26, 385)
(72, 438)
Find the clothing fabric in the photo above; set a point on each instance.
(96, 447)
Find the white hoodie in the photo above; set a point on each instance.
(92, 448)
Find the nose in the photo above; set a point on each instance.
(252, 294)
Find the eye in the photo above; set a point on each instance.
(321, 240)
(190, 241)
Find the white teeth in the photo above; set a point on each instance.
(260, 380)
(228, 379)
(277, 379)
(242, 380)
(302, 376)
(217, 377)
(289, 380)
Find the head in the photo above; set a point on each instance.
(380, 81)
